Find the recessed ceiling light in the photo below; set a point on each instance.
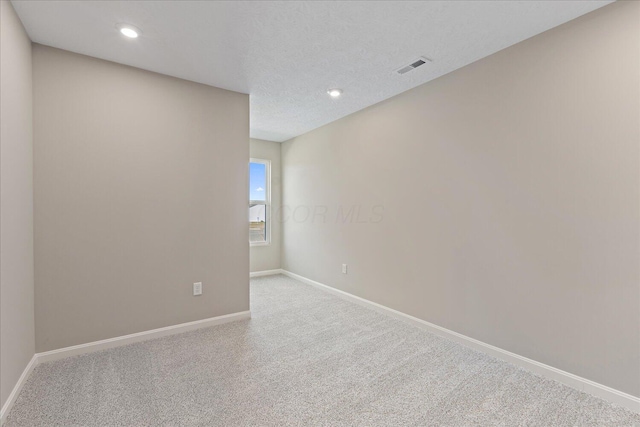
(129, 30)
(334, 93)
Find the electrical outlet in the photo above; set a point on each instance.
(344, 268)
(197, 288)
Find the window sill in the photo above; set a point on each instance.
(252, 244)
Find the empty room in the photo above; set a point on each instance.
(319, 213)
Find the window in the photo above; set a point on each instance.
(259, 202)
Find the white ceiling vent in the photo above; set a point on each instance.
(413, 65)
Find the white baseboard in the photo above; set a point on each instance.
(16, 389)
(603, 392)
(75, 350)
(265, 273)
(91, 347)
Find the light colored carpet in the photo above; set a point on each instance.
(305, 358)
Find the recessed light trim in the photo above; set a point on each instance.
(128, 30)
(335, 92)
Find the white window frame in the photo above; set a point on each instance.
(266, 201)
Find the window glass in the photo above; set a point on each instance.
(258, 182)
(257, 223)
(259, 202)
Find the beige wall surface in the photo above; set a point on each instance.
(140, 190)
(17, 342)
(268, 257)
(500, 201)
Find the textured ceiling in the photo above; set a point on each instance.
(287, 54)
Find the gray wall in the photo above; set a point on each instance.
(16, 204)
(140, 190)
(500, 201)
(268, 257)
